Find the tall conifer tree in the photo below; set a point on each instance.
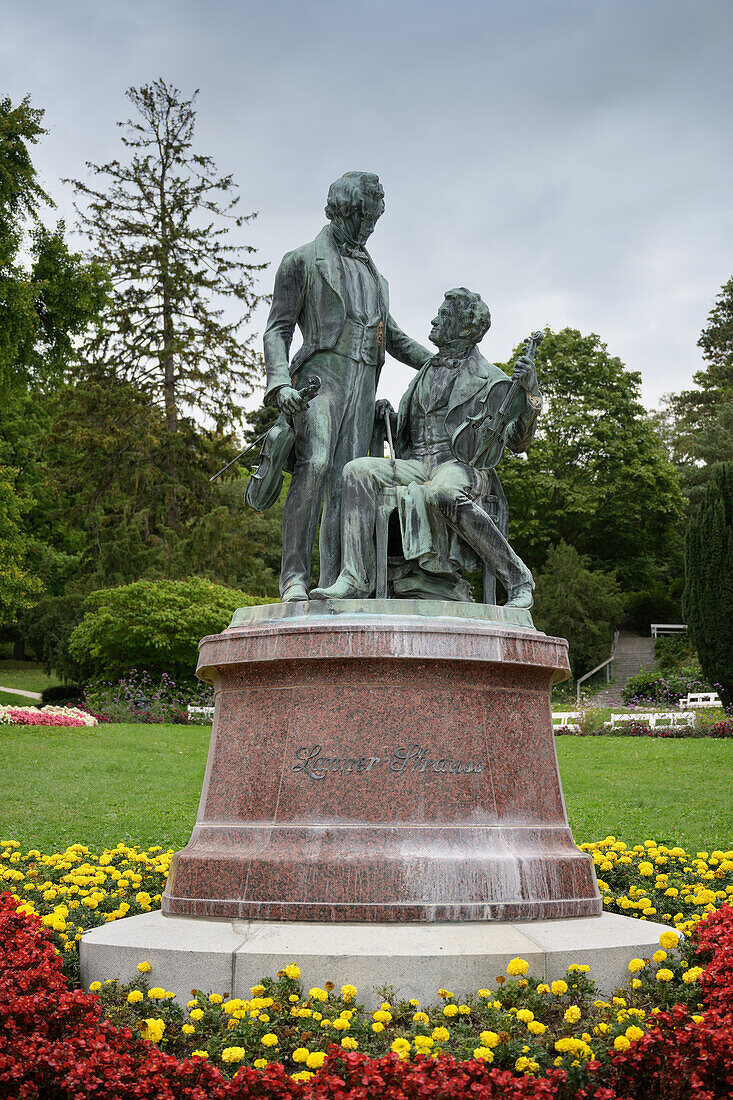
(708, 597)
(161, 226)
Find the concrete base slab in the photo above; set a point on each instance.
(229, 957)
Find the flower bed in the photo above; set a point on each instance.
(664, 1037)
(45, 716)
(722, 728)
(138, 697)
(518, 1037)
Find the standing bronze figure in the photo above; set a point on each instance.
(331, 290)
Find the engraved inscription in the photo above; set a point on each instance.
(313, 762)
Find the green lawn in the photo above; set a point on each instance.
(26, 675)
(141, 784)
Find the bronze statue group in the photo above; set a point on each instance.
(454, 421)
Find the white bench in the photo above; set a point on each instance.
(653, 719)
(204, 712)
(566, 720)
(697, 699)
(667, 628)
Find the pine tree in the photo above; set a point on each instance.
(708, 597)
(161, 227)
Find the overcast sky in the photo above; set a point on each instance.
(571, 160)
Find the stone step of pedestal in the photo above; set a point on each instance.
(228, 957)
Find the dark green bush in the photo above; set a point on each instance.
(46, 629)
(154, 625)
(62, 695)
(645, 608)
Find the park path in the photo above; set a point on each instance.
(17, 691)
(632, 652)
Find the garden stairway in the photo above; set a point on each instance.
(632, 652)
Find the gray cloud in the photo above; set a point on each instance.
(569, 159)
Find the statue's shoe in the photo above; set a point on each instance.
(294, 593)
(521, 596)
(339, 590)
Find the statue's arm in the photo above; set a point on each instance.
(521, 431)
(402, 348)
(287, 302)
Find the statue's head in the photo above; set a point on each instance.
(355, 204)
(462, 320)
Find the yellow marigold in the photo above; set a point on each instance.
(269, 1040)
(402, 1047)
(579, 968)
(464, 1010)
(634, 1033)
(669, 940)
(692, 974)
(559, 987)
(483, 1054)
(543, 987)
(526, 1065)
(621, 1043)
(300, 1054)
(144, 967)
(382, 1016)
(293, 998)
(134, 996)
(188, 1029)
(316, 1059)
(664, 975)
(196, 1014)
(317, 994)
(485, 994)
(215, 998)
(444, 994)
(348, 992)
(233, 1054)
(152, 1030)
(199, 1054)
(635, 983)
(441, 1034)
(341, 1024)
(421, 1018)
(301, 1075)
(450, 1010)
(260, 1063)
(488, 1038)
(377, 1027)
(572, 1014)
(95, 987)
(536, 1028)
(156, 993)
(646, 869)
(697, 1019)
(349, 1043)
(659, 956)
(423, 1042)
(257, 990)
(524, 1015)
(517, 967)
(636, 965)
(292, 971)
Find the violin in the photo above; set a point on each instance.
(505, 402)
(266, 479)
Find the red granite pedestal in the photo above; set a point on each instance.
(381, 761)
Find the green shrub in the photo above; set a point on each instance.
(673, 652)
(577, 603)
(152, 625)
(652, 686)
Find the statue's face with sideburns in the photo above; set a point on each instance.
(462, 320)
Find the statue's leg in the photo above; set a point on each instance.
(454, 491)
(362, 480)
(358, 385)
(316, 431)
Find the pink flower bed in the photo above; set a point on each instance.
(47, 716)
